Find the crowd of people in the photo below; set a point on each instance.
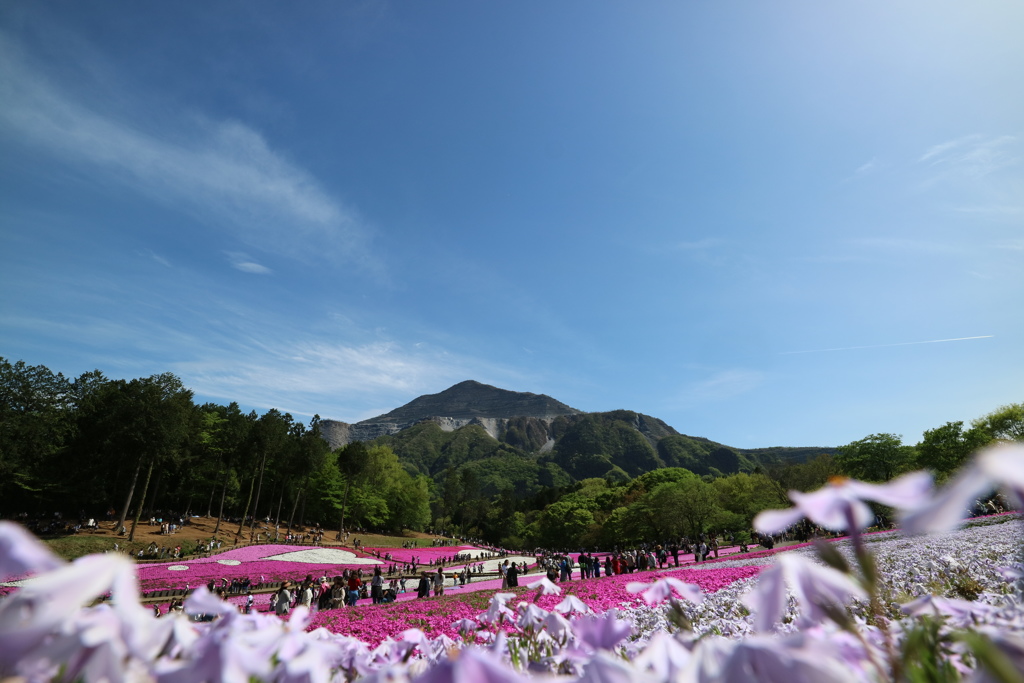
(560, 566)
(56, 524)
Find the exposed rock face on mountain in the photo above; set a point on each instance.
(507, 440)
(465, 403)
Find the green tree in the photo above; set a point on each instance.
(34, 426)
(878, 457)
(695, 502)
(944, 449)
(124, 426)
(311, 453)
(352, 462)
(563, 525)
(1006, 423)
(744, 495)
(268, 439)
(227, 437)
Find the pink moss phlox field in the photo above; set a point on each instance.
(158, 576)
(374, 623)
(607, 592)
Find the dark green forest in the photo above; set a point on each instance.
(94, 446)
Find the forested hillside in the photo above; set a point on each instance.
(123, 450)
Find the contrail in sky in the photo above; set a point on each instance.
(882, 346)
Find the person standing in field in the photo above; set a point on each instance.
(284, 600)
(377, 586)
(354, 584)
(512, 575)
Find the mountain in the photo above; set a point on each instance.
(502, 440)
(463, 404)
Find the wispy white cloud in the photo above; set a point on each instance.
(974, 155)
(244, 263)
(335, 379)
(903, 244)
(723, 385)
(883, 346)
(868, 167)
(150, 254)
(701, 244)
(224, 173)
(943, 147)
(993, 210)
(258, 365)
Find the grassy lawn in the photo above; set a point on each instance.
(70, 547)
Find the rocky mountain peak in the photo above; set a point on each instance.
(461, 404)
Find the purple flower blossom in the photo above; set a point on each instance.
(602, 632)
(661, 590)
(817, 590)
(835, 505)
(545, 587)
(962, 612)
(794, 659)
(497, 611)
(1001, 465)
(573, 604)
(605, 669)
(531, 616)
(21, 553)
(471, 666)
(664, 656)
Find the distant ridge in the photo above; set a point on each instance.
(532, 440)
(468, 402)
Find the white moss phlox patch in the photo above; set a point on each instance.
(323, 556)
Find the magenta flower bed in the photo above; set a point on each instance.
(254, 565)
(434, 616)
(604, 593)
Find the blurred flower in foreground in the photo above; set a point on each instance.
(834, 506)
(661, 590)
(498, 610)
(820, 592)
(22, 553)
(664, 656)
(50, 603)
(545, 587)
(602, 632)
(573, 604)
(1000, 466)
(961, 612)
(794, 659)
(471, 666)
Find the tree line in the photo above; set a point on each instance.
(943, 450)
(129, 449)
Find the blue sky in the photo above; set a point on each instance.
(738, 217)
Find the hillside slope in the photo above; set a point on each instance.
(523, 442)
